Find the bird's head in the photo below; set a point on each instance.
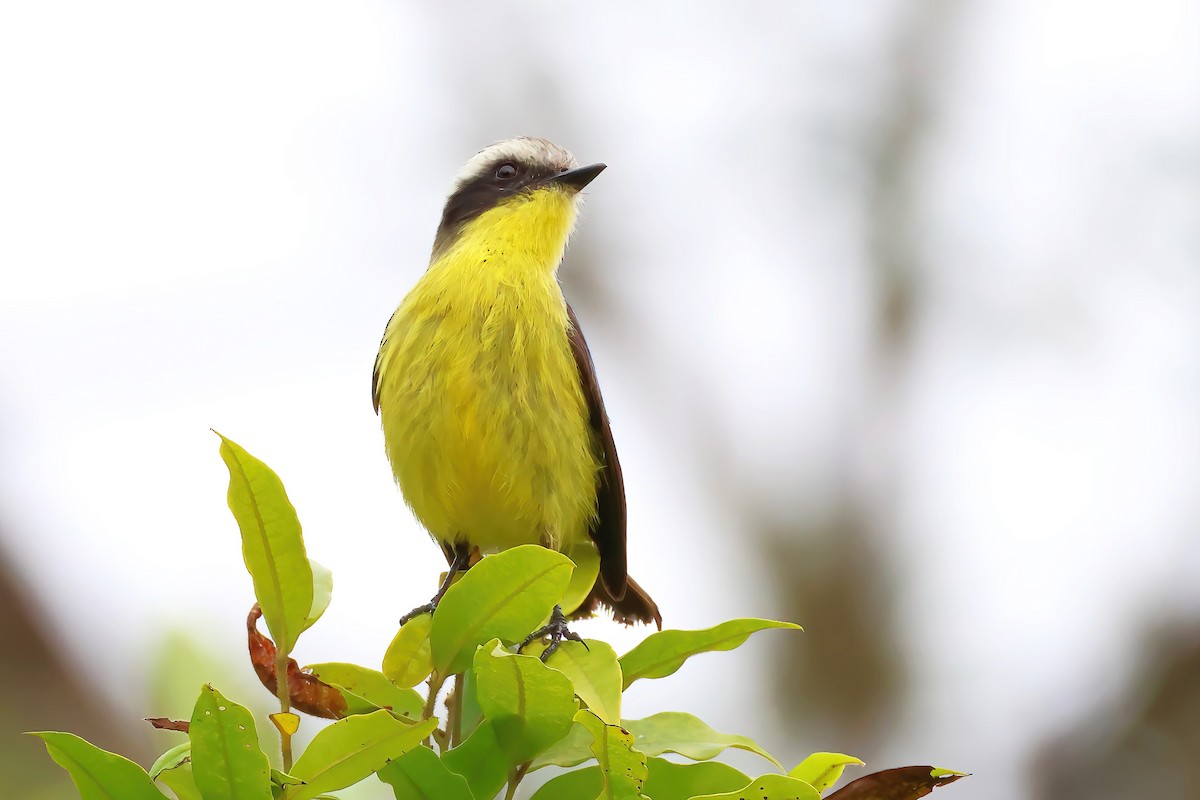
(518, 196)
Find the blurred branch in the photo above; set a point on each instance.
(41, 691)
(1142, 745)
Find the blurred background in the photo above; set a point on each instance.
(895, 304)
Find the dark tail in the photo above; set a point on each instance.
(634, 606)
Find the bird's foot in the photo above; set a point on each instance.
(556, 631)
(428, 608)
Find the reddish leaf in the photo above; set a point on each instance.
(308, 694)
(902, 783)
(164, 724)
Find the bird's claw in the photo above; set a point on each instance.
(556, 631)
(428, 608)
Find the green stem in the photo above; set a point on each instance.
(435, 686)
(454, 726)
(514, 780)
(285, 706)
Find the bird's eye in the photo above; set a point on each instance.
(506, 171)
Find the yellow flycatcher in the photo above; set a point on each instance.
(492, 416)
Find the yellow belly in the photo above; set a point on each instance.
(484, 418)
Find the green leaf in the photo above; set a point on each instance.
(353, 748)
(98, 774)
(676, 732)
(481, 760)
(408, 659)
(176, 757)
(822, 770)
(272, 545)
(661, 654)
(771, 786)
(529, 705)
(623, 768)
(671, 781)
(574, 748)
(280, 778)
(372, 686)
(322, 593)
(173, 769)
(227, 763)
(579, 784)
(472, 713)
(587, 568)
(504, 597)
(420, 775)
(594, 672)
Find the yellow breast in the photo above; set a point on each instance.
(483, 413)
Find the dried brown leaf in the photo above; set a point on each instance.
(901, 783)
(308, 694)
(165, 724)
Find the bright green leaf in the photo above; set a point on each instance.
(420, 775)
(574, 748)
(580, 784)
(322, 593)
(481, 760)
(671, 781)
(173, 769)
(676, 732)
(408, 659)
(623, 768)
(372, 686)
(594, 672)
(822, 770)
(504, 597)
(661, 654)
(281, 779)
(353, 748)
(587, 568)
(529, 705)
(181, 782)
(771, 786)
(227, 763)
(272, 545)
(177, 756)
(98, 774)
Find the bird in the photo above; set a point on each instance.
(492, 416)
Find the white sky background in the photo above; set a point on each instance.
(207, 215)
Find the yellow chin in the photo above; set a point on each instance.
(528, 229)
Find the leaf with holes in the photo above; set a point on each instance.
(623, 767)
(771, 786)
(227, 763)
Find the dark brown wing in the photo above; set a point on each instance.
(615, 589)
(378, 359)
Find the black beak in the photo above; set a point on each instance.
(579, 177)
